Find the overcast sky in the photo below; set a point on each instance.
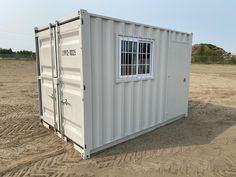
(211, 21)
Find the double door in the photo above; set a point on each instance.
(61, 79)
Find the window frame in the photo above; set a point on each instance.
(135, 76)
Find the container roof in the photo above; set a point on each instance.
(77, 16)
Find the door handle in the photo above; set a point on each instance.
(64, 101)
(184, 80)
(51, 96)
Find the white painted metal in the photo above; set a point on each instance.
(47, 72)
(71, 81)
(177, 76)
(96, 109)
(65, 106)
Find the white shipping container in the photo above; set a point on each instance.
(103, 80)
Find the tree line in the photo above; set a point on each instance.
(10, 51)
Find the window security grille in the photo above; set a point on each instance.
(135, 57)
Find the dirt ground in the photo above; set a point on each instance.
(204, 144)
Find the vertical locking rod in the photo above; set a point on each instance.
(53, 67)
(59, 94)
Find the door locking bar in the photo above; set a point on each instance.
(53, 96)
(58, 59)
(65, 102)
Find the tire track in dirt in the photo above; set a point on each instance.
(27, 161)
(55, 164)
(201, 145)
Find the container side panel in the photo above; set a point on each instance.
(153, 86)
(128, 94)
(163, 72)
(108, 78)
(155, 93)
(147, 90)
(97, 93)
(118, 108)
(138, 92)
(121, 109)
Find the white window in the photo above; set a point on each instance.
(135, 58)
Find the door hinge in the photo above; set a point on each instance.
(85, 146)
(84, 87)
(82, 21)
(56, 81)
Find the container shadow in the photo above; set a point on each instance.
(205, 122)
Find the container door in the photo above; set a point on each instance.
(71, 81)
(46, 50)
(177, 75)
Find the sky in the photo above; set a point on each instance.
(211, 21)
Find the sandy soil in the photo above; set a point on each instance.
(204, 144)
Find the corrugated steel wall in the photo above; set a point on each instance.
(120, 109)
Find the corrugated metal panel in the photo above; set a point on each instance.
(120, 109)
(46, 41)
(64, 48)
(71, 81)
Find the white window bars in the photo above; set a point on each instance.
(135, 58)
